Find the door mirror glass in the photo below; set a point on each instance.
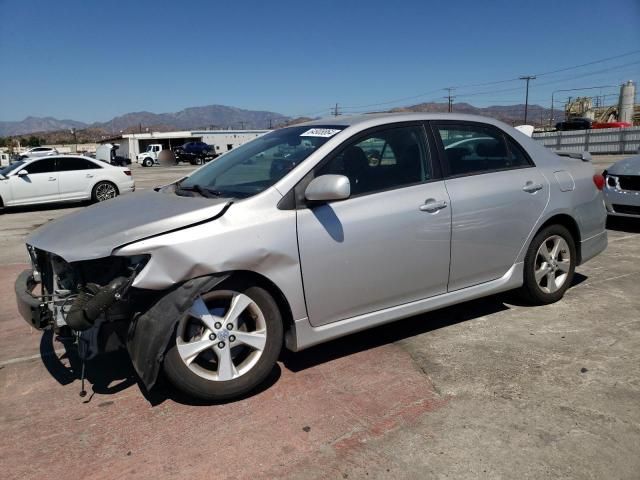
(326, 188)
(23, 173)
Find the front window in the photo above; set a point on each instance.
(41, 166)
(391, 158)
(10, 168)
(255, 166)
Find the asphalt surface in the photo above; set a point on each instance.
(486, 389)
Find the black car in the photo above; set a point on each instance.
(574, 124)
(194, 152)
(196, 148)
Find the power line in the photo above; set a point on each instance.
(497, 82)
(564, 79)
(396, 100)
(589, 63)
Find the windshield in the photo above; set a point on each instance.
(7, 170)
(256, 165)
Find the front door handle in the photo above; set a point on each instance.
(531, 187)
(52, 179)
(432, 206)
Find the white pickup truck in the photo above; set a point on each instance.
(149, 157)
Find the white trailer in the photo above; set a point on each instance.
(225, 140)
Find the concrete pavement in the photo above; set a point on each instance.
(487, 389)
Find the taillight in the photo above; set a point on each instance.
(599, 181)
(127, 172)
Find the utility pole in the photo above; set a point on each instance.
(270, 123)
(336, 112)
(450, 98)
(75, 138)
(526, 101)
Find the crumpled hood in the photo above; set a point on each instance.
(95, 231)
(628, 166)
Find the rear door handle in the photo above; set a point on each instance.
(531, 187)
(89, 175)
(52, 179)
(432, 206)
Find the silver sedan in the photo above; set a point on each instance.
(622, 189)
(309, 233)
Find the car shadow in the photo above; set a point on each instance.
(106, 374)
(111, 373)
(623, 224)
(45, 207)
(396, 331)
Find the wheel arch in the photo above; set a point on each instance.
(253, 278)
(104, 180)
(570, 224)
(149, 333)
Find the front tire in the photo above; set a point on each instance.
(226, 344)
(147, 162)
(549, 265)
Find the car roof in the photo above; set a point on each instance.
(373, 119)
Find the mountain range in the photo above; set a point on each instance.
(210, 116)
(220, 116)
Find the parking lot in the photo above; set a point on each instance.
(487, 389)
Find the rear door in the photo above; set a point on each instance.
(76, 177)
(386, 245)
(39, 185)
(497, 195)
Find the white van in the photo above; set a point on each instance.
(107, 152)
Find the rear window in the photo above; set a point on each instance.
(474, 149)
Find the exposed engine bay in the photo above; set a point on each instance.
(90, 300)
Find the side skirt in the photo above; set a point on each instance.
(302, 335)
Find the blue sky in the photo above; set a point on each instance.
(92, 60)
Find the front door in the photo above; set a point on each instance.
(76, 177)
(386, 245)
(497, 196)
(39, 185)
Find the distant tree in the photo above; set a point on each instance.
(33, 141)
(4, 142)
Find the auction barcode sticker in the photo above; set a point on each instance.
(320, 132)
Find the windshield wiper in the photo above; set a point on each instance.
(203, 191)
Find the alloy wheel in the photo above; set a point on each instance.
(552, 264)
(105, 191)
(222, 336)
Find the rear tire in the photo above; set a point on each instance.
(252, 345)
(104, 191)
(549, 265)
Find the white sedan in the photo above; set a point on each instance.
(62, 178)
(39, 152)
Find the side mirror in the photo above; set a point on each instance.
(586, 157)
(23, 173)
(328, 187)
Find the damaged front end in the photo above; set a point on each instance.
(91, 301)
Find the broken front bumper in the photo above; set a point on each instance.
(32, 309)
